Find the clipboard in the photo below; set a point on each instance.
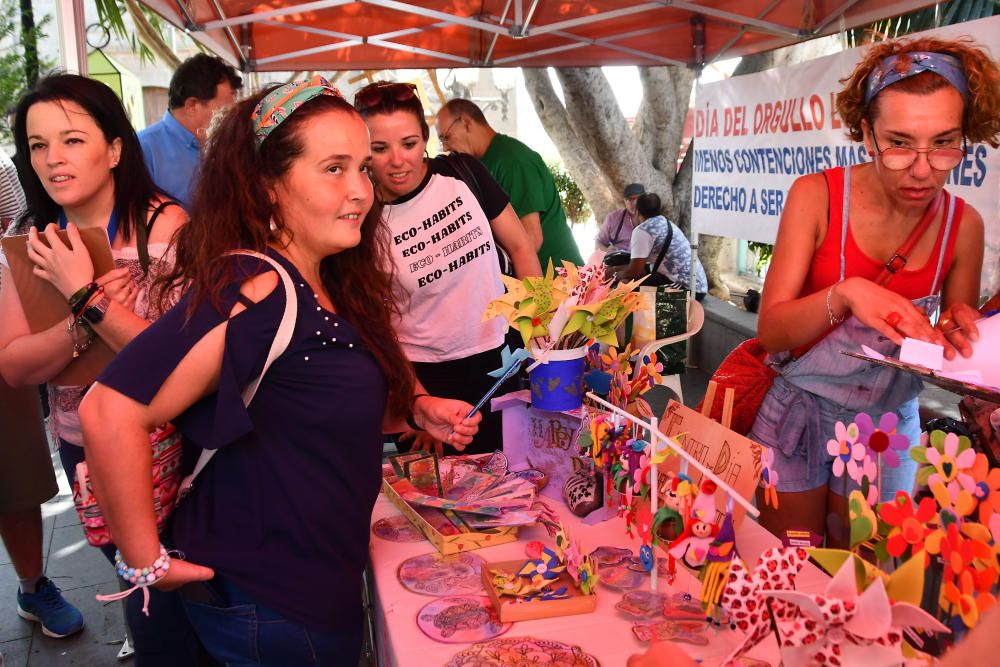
(45, 307)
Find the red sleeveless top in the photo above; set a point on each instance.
(911, 282)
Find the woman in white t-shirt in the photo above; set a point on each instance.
(450, 227)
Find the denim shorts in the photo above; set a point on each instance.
(803, 463)
(238, 631)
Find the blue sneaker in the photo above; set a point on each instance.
(46, 606)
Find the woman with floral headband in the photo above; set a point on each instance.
(451, 228)
(864, 254)
(275, 531)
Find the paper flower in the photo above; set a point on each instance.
(882, 439)
(909, 523)
(565, 307)
(947, 458)
(842, 627)
(769, 477)
(845, 449)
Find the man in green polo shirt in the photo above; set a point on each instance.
(462, 127)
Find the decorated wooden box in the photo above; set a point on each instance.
(511, 609)
(449, 544)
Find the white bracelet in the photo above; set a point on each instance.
(834, 320)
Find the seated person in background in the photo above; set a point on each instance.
(616, 230)
(648, 239)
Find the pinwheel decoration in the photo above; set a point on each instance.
(842, 627)
(743, 598)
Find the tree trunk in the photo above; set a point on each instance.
(572, 147)
(30, 43)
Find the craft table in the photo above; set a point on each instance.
(605, 634)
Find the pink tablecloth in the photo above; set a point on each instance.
(606, 633)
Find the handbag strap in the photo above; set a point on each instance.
(621, 223)
(282, 338)
(899, 258)
(666, 246)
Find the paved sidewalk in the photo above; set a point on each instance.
(81, 572)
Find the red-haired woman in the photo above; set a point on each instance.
(863, 255)
(276, 529)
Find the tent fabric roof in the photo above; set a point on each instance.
(281, 35)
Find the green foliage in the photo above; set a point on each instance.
(574, 203)
(763, 251)
(12, 77)
(947, 13)
(111, 14)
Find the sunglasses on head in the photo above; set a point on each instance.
(379, 93)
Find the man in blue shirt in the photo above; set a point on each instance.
(202, 85)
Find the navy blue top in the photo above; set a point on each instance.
(283, 509)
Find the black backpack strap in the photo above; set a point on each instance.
(469, 177)
(143, 232)
(621, 222)
(663, 250)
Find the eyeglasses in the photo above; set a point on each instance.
(897, 158)
(377, 94)
(444, 136)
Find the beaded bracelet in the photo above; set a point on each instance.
(139, 577)
(144, 576)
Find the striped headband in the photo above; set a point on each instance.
(282, 102)
(889, 71)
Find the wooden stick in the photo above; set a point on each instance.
(709, 400)
(676, 446)
(727, 407)
(654, 495)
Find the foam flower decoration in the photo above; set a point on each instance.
(864, 523)
(769, 477)
(867, 478)
(963, 595)
(987, 489)
(845, 449)
(882, 439)
(908, 522)
(613, 361)
(844, 627)
(588, 576)
(644, 523)
(742, 596)
(960, 552)
(947, 459)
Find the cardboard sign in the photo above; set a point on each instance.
(45, 307)
(539, 439)
(734, 458)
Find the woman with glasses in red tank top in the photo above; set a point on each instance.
(864, 255)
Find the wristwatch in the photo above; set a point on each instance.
(94, 313)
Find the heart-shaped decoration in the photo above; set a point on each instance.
(864, 523)
(947, 467)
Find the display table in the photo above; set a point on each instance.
(606, 633)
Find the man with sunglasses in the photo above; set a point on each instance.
(462, 127)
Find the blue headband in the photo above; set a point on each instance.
(891, 70)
